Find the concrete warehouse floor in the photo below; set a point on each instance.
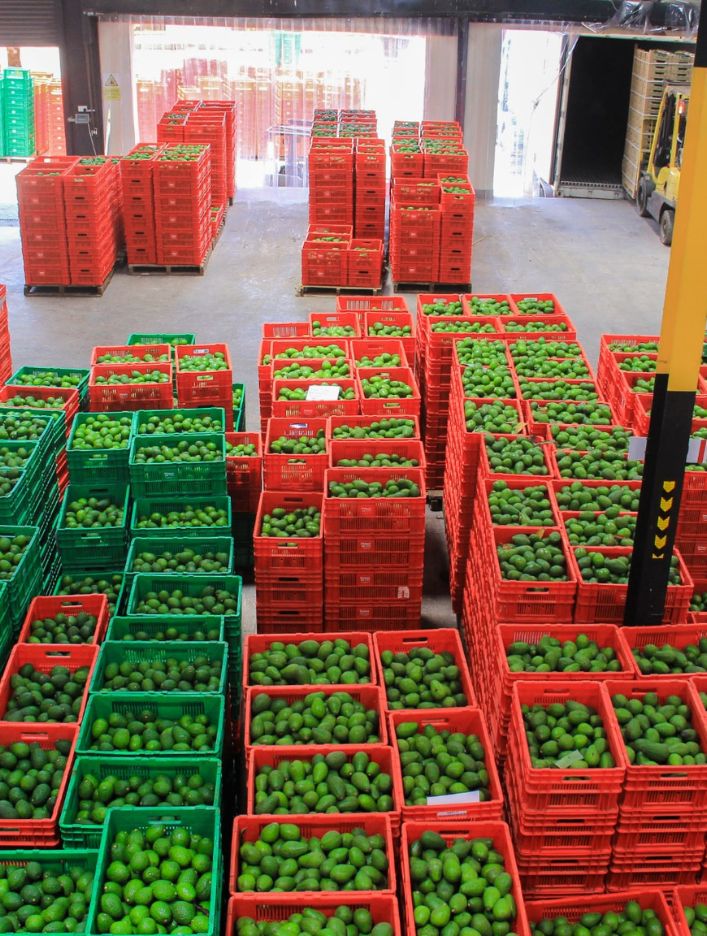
(605, 264)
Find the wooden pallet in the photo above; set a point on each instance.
(169, 269)
(68, 289)
(432, 287)
(339, 290)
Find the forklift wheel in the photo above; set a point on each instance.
(642, 199)
(667, 220)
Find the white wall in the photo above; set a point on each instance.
(119, 98)
(441, 83)
(480, 113)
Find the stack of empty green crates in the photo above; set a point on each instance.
(18, 112)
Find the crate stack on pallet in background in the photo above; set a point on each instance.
(48, 115)
(182, 195)
(136, 179)
(5, 345)
(653, 70)
(93, 220)
(17, 113)
(370, 189)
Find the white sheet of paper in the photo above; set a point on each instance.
(319, 392)
(454, 799)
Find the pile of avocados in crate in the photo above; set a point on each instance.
(541, 770)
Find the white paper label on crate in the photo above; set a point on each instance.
(319, 392)
(696, 450)
(569, 759)
(455, 799)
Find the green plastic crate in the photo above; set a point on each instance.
(88, 835)
(171, 479)
(18, 506)
(98, 466)
(161, 544)
(150, 505)
(55, 861)
(44, 441)
(142, 416)
(96, 574)
(58, 417)
(6, 631)
(203, 820)
(122, 627)
(118, 651)
(93, 547)
(168, 338)
(27, 574)
(191, 585)
(239, 412)
(81, 372)
(171, 705)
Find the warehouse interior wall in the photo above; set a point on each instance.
(441, 78)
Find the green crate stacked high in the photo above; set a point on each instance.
(20, 569)
(18, 112)
(92, 526)
(2, 118)
(170, 465)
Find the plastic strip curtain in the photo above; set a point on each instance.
(278, 71)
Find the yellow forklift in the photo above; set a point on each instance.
(657, 194)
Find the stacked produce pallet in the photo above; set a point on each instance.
(182, 204)
(331, 181)
(49, 115)
(369, 189)
(331, 258)
(17, 107)
(136, 178)
(204, 377)
(93, 222)
(40, 201)
(653, 69)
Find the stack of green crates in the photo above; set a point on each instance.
(174, 478)
(238, 407)
(23, 579)
(72, 378)
(103, 547)
(110, 583)
(160, 547)
(18, 112)
(98, 465)
(7, 636)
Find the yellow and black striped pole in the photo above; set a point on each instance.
(679, 359)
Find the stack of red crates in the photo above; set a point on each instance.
(56, 134)
(229, 109)
(369, 199)
(204, 387)
(415, 230)
(40, 200)
(331, 181)
(383, 317)
(325, 255)
(374, 552)
(289, 577)
(5, 350)
(660, 836)
(443, 149)
(182, 192)
(136, 179)
(93, 224)
(625, 360)
(562, 819)
(457, 205)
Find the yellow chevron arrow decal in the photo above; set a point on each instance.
(666, 504)
(663, 523)
(668, 486)
(660, 542)
(657, 556)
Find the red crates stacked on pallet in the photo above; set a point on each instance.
(210, 127)
(92, 220)
(40, 202)
(5, 349)
(331, 181)
(289, 577)
(325, 255)
(660, 837)
(244, 472)
(616, 354)
(562, 817)
(182, 184)
(116, 387)
(287, 471)
(364, 265)
(201, 384)
(457, 199)
(415, 232)
(374, 551)
(370, 189)
(229, 109)
(136, 179)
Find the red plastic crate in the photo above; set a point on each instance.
(686, 896)
(380, 754)
(279, 365)
(267, 908)
(68, 394)
(655, 788)
(244, 472)
(259, 643)
(44, 657)
(676, 635)
(574, 908)
(499, 834)
(411, 191)
(371, 697)
(365, 263)
(39, 833)
(280, 345)
(394, 319)
(386, 515)
(467, 721)
(281, 621)
(357, 448)
(662, 871)
(313, 409)
(248, 828)
(131, 396)
(337, 422)
(373, 347)
(326, 320)
(560, 327)
(44, 607)
(486, 472)
(442, 640)
(280, 554)
(389, 406)
(294, 472)
(606, 602)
